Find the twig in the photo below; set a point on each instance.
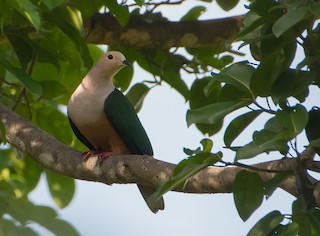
(238, 164)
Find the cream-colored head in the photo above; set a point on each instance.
(111, 62)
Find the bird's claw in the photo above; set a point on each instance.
(103, 155)
(86, 155)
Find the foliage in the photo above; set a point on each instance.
(43, 56)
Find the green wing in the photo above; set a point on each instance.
(124, 119)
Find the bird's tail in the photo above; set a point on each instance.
(154, 206)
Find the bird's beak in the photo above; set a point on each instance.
(125, 62)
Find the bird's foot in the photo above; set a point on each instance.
(86, 155)
(104, 155)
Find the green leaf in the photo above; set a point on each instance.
(52, 89)
(203, 92)
(294, 119)
(292, 83)
(193, 13)
(28, 10)
(60, 45)
(31, 173)
(139, 2)
(288, 20)
(264, 138)
(121, 12)
(23, 77)
(53, 121)
(272, 184)
(263, 78)
(238, 74)
(51, 4)
(137, 94)
(61, 227)
(69, 20)
(21, 47)
(265, 225)
(62, 188)
(247, 193)
(252, 149)
(123, 78)
(173, 78)
(291, 229)
(236, 126)
(184, 170)
(214, 113)
(227, 5)
(207, 145)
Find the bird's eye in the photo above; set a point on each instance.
(110, 57)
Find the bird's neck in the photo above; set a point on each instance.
(96, 80)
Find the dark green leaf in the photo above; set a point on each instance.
(193, 13)
(263, 78)
(137, 94)
(251, 149)
(288, 20)
(266, 138)
(23, 77)
(204, 92)
(265, 225)
(60, 45)
(32, 173)
(61, 227)
(139, 2)
(231, 93)
(53, 89)
(123, 78)
(184, 170)
(62, 188)
(247, 193)
(238, 74)
(227, 5)
(53, 121)
(69, 20)
(293, 119)
(272, 184)
(121, 12)
(291, 229)
(21, 47)
(28, 10)
(51, 4)
(236, 126)
(173, 78)
(211, 114)
(292, 83)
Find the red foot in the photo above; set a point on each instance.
(104, 155)
(101, 155)
(86, 155)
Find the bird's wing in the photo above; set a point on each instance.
(125, 121)
(80, 136)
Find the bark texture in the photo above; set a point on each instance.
(141, 33)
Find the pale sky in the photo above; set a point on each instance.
(119, 210)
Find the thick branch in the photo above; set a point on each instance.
(145, 170)
(140, 33)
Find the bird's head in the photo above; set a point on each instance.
(111, 62)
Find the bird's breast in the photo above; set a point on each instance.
(87, 113)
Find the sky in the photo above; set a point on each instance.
(118, 210)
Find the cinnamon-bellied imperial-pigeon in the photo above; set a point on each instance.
(104, 120)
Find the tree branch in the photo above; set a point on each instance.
(141, 33)
(145, 170)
